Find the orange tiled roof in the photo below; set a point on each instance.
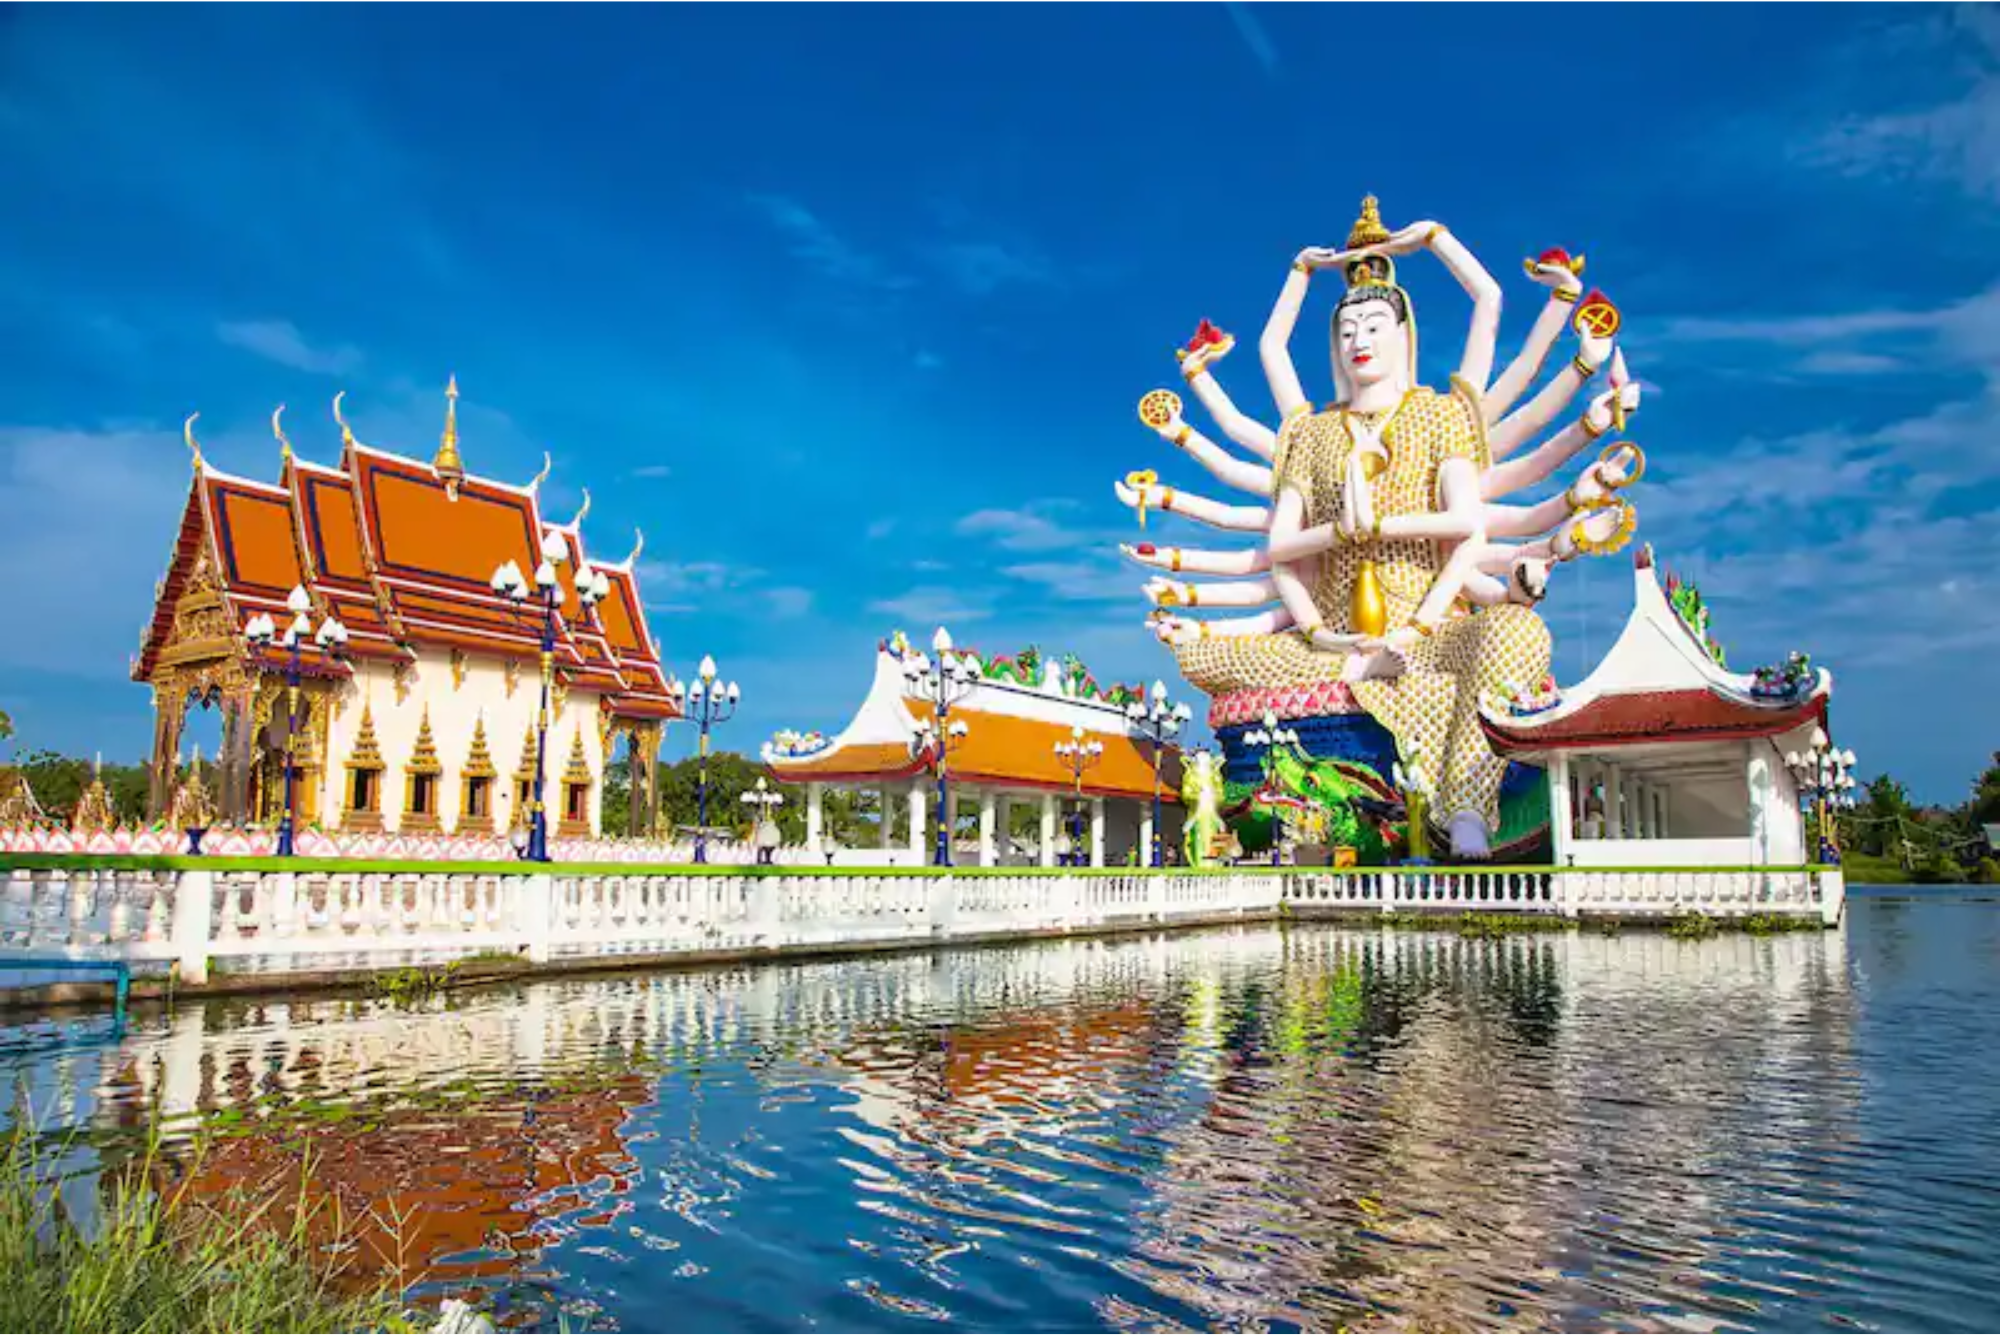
(1002, 749)
(401, 561)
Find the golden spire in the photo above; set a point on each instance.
(187, 434)
(1368, 229)
(447, 464)
(278, 430)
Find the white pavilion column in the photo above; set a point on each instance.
(815, 817)
(1048, 845)
(1561, 831)
(1145, 834)
(1097, 832)
(1660, 809)
(1003, 826)
(1614, 803)
(989, 851)
(917, 820)
(888, 816)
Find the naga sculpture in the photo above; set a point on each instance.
(1201, 798)
(1383, 554)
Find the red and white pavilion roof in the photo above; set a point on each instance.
(1657, 684)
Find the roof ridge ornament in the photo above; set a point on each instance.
(535, 485)
(278, 430)
(638, 545)
(581, 511)
(194, 446)
(347, 439)
(447, 464)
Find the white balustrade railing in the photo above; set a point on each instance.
(328, 918)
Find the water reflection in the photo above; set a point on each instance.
(1247, 1129)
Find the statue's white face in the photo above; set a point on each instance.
(1370, 344)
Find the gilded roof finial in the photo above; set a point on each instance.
(543, 476)
(447, 464)
(278, 430)
(581, 511)
(1368, 229)
(346, 433)
(638, 545)
(187, 434)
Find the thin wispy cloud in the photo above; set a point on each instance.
(815, 243)
(280, 341)
(1022, 530)
(931, 605)
(1251, 29)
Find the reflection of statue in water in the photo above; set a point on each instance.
(1381, 554)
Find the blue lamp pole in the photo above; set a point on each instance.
(1076, 756)
(330, 642)
(942, 682)
(709, 702)
(1825, 779)
(591, 587)
(1156, 719)
(1267, 736)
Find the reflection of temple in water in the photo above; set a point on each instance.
(1310, 1126)
(1426, 1132)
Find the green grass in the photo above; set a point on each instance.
(1868, 869)
(158, 1261)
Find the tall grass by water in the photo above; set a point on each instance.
(152, 1258)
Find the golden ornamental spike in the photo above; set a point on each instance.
(278, 430)
(187, 434)
(448, 464)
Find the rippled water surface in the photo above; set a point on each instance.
(1255, 1129)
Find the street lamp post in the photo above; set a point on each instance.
(330, 641)
(763, 802)
(942, 682)
(1156, 719)
(708, 702)
(1825, 780)
(1076, 756)
(1269, 735)
(591, 586)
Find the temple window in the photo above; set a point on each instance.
(364, 778)
(576, 785)
(420, 805)
(476, 780)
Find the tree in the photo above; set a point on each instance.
(1984, 808)
(6, 725)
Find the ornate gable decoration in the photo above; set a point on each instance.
(525, 771)
(367, 752)
(578, 770)
(479, 760)
(424, 759)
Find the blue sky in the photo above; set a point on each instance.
(849, 307)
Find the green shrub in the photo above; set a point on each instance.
(160, 1262)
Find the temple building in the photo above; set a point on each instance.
(1664, 757)
(1016, 714)
(427, 722)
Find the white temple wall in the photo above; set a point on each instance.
(455, 710)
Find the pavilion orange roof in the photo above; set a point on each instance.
(402, 553)
(1001, 749)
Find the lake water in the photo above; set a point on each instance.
(1256, 1129)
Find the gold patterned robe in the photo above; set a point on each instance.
(1435, 703)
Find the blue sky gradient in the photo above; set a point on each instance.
(849, 307)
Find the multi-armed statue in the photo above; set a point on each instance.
(1384, 557)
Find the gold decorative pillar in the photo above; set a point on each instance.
(169, 711)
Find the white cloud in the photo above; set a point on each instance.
(787, 601)
(653, 471)
(880, 529)
(1023, 530)
(932, 605)
(280, 341)
(1955, 139)
(815, 243)
(1080, 581)
(1251, 30)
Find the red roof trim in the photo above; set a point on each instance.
(1642, 717)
